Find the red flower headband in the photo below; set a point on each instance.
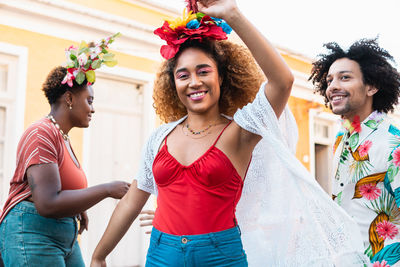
(193, 26)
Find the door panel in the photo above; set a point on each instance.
(114, 146)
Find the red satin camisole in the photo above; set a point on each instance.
(199, 198)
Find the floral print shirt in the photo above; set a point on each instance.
(367, 183)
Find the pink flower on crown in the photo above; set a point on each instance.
(364, 148)
(370, 191)
(380, 264)
(396, 157)
(386, 229)
(68, 79)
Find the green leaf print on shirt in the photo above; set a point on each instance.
(372, 124)
(353, 141)
(339, 199)
(344, 156)
(392, 172)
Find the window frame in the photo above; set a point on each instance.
(13, 100)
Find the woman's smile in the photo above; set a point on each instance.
(198, 95)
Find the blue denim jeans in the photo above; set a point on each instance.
(220, 249)
(29, 239)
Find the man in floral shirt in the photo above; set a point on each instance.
(362, 86)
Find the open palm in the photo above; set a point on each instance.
(217, 8)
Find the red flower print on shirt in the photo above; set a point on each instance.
(364, 148)
(386, 229)
(356, 124)
(380, 264)
(370, 191)
(396, 157)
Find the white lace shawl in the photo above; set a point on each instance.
(285, 217)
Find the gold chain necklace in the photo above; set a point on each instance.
(51, 118)
(197, 134)
(201, 131)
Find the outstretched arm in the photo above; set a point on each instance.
(280, 78)
(123, 216)
(50, 201)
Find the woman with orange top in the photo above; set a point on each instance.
(49, 193)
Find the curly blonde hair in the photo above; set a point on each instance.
(241, 79)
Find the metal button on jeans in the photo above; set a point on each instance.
(184, 240)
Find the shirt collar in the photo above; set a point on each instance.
(355, 126)
(357, 131)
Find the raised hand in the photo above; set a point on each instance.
(218, 8)
(117, 189)
(192, 5)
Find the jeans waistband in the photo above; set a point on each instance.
(25, 206)
(203, 239)
(29, 207)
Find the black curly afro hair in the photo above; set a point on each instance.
(375, 68)
(52, 87)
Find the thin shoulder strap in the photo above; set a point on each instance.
(221, 133)
(165, 140)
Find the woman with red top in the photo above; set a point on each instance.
(198, 161)
(49, 190)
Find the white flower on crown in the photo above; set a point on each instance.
(95, 51)
(82, 59)
(75, 72)
(70, 50)
(67, 54)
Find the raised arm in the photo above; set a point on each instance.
(51, 201)
(124, 214)
(280, 78)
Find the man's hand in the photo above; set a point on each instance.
(83, 222)
(146, 219)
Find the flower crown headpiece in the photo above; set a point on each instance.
(83, 60)
(193, 25)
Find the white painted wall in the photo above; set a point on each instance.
(13, 62)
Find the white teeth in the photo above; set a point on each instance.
(197, 94)
(336, 98)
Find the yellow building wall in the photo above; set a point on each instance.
(44, 53)
(296, 63)
(300, 108)
(126, 9)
